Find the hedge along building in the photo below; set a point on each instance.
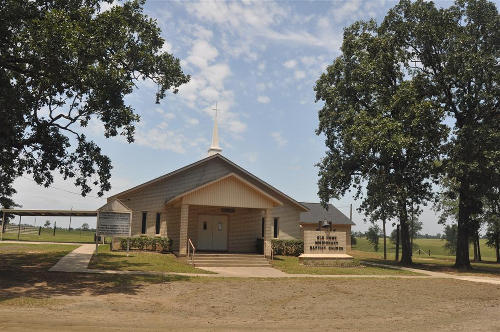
(219, 206)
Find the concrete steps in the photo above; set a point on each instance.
(229, 260)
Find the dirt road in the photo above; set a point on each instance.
(228, 304)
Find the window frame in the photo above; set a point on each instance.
(144, 222)
(276, 229)
(158, 223)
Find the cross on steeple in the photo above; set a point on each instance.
(215, 148)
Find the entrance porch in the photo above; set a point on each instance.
(226, 215)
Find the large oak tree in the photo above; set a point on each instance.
(382, 132)
(457, 52)
(63, 63)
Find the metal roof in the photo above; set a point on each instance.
(318, 213)
(50, 213)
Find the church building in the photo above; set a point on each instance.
(219, 206)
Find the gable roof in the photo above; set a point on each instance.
(206, 160)
(114, 205)
(248, 186)
(317, 212)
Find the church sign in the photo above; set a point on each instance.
(113, 224)
(323, 241)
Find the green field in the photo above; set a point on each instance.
(439, 259)
(436, 246)
(139, 261)
(47, 235)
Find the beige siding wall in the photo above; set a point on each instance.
(228, 192)
(173, 220)
(288, 222)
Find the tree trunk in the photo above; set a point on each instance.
(405, 234)
(497, 247)
(397, 243)
(462, 260)
(385, 244)
(478, 247)
(474, 242)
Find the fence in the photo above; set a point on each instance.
(22, 229)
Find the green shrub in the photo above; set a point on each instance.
(163, 244)
(287, 247)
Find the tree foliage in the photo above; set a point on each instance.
(373, 235)
(382, 133)
(457, 53)
(63, 64)
(450, 236)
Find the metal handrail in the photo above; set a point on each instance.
(191, 245)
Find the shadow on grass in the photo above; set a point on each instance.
(107, 261)
(26, 275)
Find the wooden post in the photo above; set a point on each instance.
(55, 223)
(19, 229)
(97, 234)
(267, 234)
(183, 230)
(397, 243)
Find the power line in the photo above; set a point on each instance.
(69, 192)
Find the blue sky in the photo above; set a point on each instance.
(259, 62)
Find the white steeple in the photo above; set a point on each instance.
(215, 148)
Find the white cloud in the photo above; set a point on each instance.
(202, 53)
(169, 116)
(290, 64)
(105, 6)
(251, 156)
(263, 99)
(299, 74)
(279, 139)
(192, 121)
(160, 139)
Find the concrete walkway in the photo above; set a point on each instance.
(76, 261)
(79, 259)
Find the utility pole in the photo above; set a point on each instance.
(350, 213)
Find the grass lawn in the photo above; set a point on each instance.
(47, 235)
(16, 256)
(439, 260)
(291, 265)
(139, 261)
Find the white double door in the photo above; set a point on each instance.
(212, 232)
